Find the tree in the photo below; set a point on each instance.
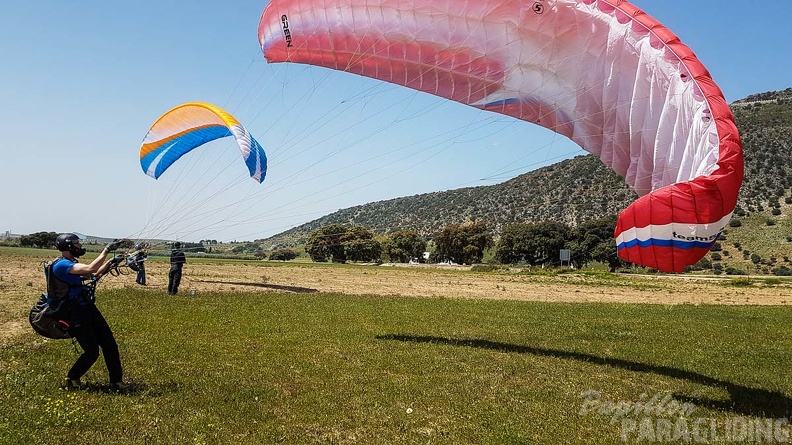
(607, 253)
(363, 250)
(404, 245)
(39, 239)
(593, 241)
(283, 255)
(463, 244)
(359, 245)
(532, 243)
(339, 243)
(511, 247)
(325, 244)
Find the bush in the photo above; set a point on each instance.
(716, 256)
(735, 223)
(776, 212)
(703, 264)
(734, 271)
(770, 222)
(782, 271)
(487, 268)
(741, 281)
(283, 255)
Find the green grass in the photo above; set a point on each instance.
(251, 368)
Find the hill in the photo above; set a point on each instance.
(760, 239)
(580, 189)
(571, 191)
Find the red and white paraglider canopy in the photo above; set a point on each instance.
(603, 73)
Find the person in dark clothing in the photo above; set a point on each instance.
(89, 327)
(137, 261)
(177, 260)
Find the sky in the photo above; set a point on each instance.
(82, 82)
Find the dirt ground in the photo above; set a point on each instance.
(22, 280)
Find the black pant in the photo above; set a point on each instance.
(93, 333)
(174, 278)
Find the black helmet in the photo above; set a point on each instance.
(139, 246)
(66, 241)
(177, 245)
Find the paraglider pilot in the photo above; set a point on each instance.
(136, 261)
(89, 326)
(177, 260)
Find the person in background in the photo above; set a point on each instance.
(139, 257)
(177, 260)
(89, 328)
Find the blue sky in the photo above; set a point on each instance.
(81, 83)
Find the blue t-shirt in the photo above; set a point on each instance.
(61, 270)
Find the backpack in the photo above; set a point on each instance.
(53, 314)
(49, 320)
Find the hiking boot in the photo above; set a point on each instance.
(119, 387)
(73, 385)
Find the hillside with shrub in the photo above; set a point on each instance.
(581, 189)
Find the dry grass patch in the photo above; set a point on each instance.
(23, 280)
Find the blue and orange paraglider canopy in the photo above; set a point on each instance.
(191, 125)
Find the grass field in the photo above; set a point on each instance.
(269, 353)
(329, 368)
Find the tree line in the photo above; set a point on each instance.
(531, 244)
(46, 240)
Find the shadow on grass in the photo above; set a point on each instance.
(130, 389)
(135, 389)
(743, 400)
(296, 289)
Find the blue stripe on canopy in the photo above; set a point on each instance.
(176, 148)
